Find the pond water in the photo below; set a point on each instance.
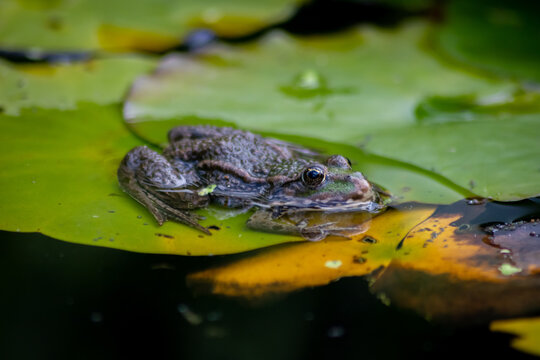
(64, 300)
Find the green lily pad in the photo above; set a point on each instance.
(503, 106)
(527, 331)
(59, 178)
(337, 88)
(61, 86)
(493, 158)
(369, 87)
(59, 158)
(59, 165)
(122, 25)
(496, 36)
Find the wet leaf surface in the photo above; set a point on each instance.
(369, 88)
(123, 25)
(527, 333)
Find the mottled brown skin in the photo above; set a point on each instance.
(247, 170)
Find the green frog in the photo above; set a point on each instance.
(239, 169)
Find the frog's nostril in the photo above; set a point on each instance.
(360, 183)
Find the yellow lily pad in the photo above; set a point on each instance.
(527, 333)
(295, 266)
(123, 25)
(452, 270)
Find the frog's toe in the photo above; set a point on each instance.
(169, 213)
(313, 233)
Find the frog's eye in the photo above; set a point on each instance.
(339, 161)
(313, 176)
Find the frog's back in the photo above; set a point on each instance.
(235, 149)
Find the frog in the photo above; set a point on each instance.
(206, 165)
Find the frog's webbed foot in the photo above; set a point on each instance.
(151, 180)
(264, 220)
(317, 232)
(321, 231)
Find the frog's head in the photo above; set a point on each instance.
(328, 186)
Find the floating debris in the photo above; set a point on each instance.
(190, 316)
(333, 264)
(207, 190)
(336, 332)
(509, 269)
(96, 317)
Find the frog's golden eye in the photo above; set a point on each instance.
(313, 176)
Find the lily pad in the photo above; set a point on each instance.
(60, 165)
(61, 181)
(125, 25)
(292, 267)
(492, 158)
(496, 36)
(441, 265)
(368, 87)
(61, 86)
(527, 333)
(339, 87)
(450, 269)
(59, 178)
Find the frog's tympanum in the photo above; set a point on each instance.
(239, 169)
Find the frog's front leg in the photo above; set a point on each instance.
(298, 223)
(150, 179)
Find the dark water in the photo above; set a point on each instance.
(61, 300)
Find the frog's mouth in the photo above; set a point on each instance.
(281, 204)
(326, 205)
